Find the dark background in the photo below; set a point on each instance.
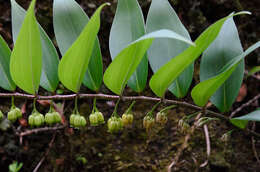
(134, 150)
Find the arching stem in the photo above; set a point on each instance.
(115, 109)
(130, 107)
(167, 108)
(154, 107)
(76, 111)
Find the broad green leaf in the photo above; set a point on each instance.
(225, 47)
(242, 121)
(162, 79)
(162, 16)
(69, 20)
(122, 33)
(254, 70)
(74, 63)
(126, 62)
(204, 90)
(50, 59)
(26, 57)
(6, 81)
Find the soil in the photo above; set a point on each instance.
(134, 150)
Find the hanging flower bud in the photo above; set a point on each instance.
(18, 112)
(127, 119)
(49, 118)
(57, 118)
(100, 117)
(37, 121)
(72, 119)
(1, 115)
(93, 119)
(148, 122)
(161, 118)
(114, 124)
(83, 121)
(77, 121)
(11, 116)
(31, 120)
(42, 118)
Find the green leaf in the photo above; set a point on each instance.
(162, 16)
(126, 62)
(242, 121)
(122, 33)
(225, 47)
(204, 90)
(50, 59)
(6, 81)
(162, 79)
(26, 57)
(254, 70)
(74, 63)
(69, 20)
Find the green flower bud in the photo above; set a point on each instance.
(83, 121)
(49, 118)
(100, 118)
(148, 122)
(18, 112)
(1, 115)
(112, 127)
(31, 120)
(127, 119)
(114, 124)
(57, 117)
(161, 118)
(120, 123)
(72, 119)
(93, 119)
(11, 116)
(37, 120)
(77, 121)
(42, 118)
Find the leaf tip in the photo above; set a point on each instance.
(108, 3)
(243, 12)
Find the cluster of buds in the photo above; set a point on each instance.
(96, 119)
(14, 114)
(76, 120)
(148, 122)
(52, 118)
(36, 119)
(127, 119)
(114, 124)
(1, 115)
(161, 118)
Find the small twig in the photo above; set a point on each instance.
(123, 98)
(253, 145)
(111, 97)
(184, 144)
(206, 132)
(244, 105)
(46, 153)
(37, 130)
